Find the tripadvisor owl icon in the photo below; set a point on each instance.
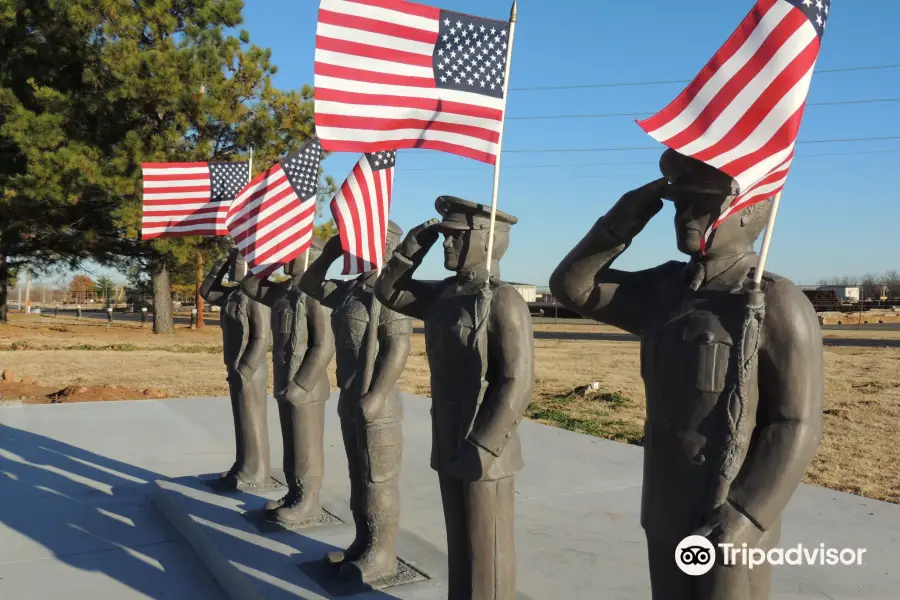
(695, 555)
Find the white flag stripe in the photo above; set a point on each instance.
(171, 183)
(279, 257)
(149, 219)
(371, 64)
(760, 170)
(745, 100)
(155, 208)
(344, 209)
(399, 112)
(389, 42)
(263, 214)
(272, 242)
(386, 211)
(430, 93)
(366, 135)
(169, 171)
(178, 196)
(275, 178)
(364, 225)
(253, 205)
(725, 73)
(380, 14)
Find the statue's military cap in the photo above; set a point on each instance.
(462, 215)
(692, 175)
(394, 229)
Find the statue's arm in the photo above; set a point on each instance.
(395, 288)
(264, 291)
(393, 352)
(329, 293)
(258, 337)
(321, 346)
(212, 289)
(511, 356)
(791, 400)
(585, 282)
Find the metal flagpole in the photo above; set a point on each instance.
(250, 167)
(767, 241)
(512, 31)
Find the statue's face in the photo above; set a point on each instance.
(464, 249)
(693, 218)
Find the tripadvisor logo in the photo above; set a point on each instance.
(695, 556)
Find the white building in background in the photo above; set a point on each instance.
(844, 293)
(527, 291)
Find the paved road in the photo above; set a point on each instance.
(587, 335)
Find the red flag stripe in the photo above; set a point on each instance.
(399, 124)
(375, 52)
(375, 26)
(408, 8)
(361, 76)
(427, 104)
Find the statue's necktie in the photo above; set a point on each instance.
(698, 276)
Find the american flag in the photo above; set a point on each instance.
(391, 74)
(743, 111)
(361, 209)
(271, 220)
(190, 198)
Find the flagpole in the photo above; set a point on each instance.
(767, 241)
(512, 31)
(250, 166)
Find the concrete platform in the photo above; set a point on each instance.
(76, 519)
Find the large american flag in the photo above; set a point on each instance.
(743, 111)
(189, 198)
(361, 208)
(391, 74)
(271, 220)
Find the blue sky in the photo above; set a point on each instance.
(840, 214)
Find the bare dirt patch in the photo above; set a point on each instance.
(859, 454)
(35, 393)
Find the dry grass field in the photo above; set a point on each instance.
(860, 453)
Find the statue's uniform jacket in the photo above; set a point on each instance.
(235, 320)
(290, 332)
(460, 377)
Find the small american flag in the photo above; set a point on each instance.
(391, 74)
(190, 198)
(271, 220)
(361, 209)
(742, 113)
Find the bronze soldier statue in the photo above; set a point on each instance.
(370, 408)
(245, 337)
(480, 345)
(733, 374)
(302, 348)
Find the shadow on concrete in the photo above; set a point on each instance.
(93, 513)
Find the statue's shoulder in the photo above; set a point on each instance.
(788, 309)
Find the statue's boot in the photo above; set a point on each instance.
(355, 550)
(379, 560)
(304, 505)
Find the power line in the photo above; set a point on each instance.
(647, 114)
(631, 163)
(630, 148)
(682, 81)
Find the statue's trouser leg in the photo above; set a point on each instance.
(480, 521)
(735, 582)
(303, 432)
(346, 406)
(234, 390)
(380, 450)
(254, 436)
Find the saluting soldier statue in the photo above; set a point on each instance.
(302, 348)
(733, 374)
(245, 338)
(370, 408)
(480, 345)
